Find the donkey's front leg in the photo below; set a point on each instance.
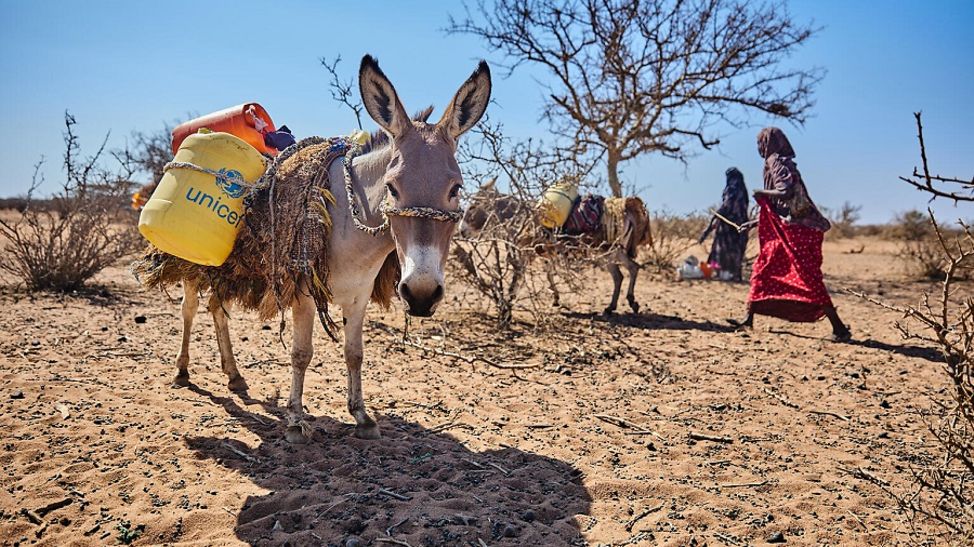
(365, 426)
(302, 349)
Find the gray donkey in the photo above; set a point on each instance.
(400, 217)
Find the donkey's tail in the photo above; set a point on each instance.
(638, 220)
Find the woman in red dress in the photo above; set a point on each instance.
(786, 281)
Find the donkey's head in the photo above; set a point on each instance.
(423, 178)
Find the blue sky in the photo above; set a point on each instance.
(124, 66)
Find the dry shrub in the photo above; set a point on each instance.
(920, 248)
(943, 483)
(495, 261)
(844, 220)
(500, 261)
(673, 235)
(77, 233)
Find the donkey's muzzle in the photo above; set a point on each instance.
(419, 302)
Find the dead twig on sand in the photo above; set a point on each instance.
(396, 525)
(469, 360)
(391, 494)
(743, 484)
(53, 506)
(499, 468)
(240, 453)
(626, 424)
(32, 516)
(632, 522)
(726, 538)
(712, 438)
(344, 499)
(827, 413)
(859, 520)
(861, 473)
(781, 399)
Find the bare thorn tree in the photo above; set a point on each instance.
(343, 91)
(942, 489)
(937, 186)
(650, 76)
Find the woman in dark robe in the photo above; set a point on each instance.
(786, 281)
(729, 241)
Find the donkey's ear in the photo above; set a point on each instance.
(469, 104)
(380, 99)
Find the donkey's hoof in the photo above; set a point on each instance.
(634, 306)
(181, 379)
(369, 432)
(608, 311)
(237, 384)
(295, 435)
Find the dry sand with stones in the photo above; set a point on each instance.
(662, 428)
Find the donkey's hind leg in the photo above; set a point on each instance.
(633, 269)
(616, 287)
(365, 426)
(552, 283)
(191, 304)
(220, 310)
(302, 350)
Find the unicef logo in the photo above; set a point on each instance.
(228, 182)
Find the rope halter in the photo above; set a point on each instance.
(429, 213)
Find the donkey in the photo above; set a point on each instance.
(403, 211)
(489, 205)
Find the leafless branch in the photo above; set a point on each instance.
(343, 91)
(630, 77)
(925, 182)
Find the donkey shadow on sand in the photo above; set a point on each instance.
(417, 485)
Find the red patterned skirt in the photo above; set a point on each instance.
(786, 281)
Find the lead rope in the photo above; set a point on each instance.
(354, 152)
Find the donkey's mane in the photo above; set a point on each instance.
(380, 139)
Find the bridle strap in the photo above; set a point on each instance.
(429, 213)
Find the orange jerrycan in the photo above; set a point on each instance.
(247, 121)
(198, 208)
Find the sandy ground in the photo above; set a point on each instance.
(593, 446)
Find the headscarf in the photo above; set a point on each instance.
(772, 140)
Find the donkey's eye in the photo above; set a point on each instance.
(392, 191)
(455, 191)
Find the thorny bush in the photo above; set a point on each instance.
(86, 226)
(943, 482)
(500, 259)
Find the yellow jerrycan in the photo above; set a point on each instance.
(197, 209)
(556, 203)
